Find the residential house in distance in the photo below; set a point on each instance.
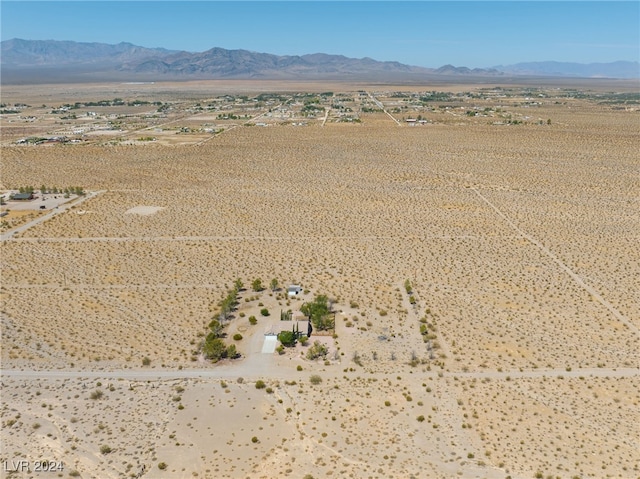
(21, 196)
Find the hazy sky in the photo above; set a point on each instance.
(429, 34)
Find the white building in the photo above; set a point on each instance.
(294, 290)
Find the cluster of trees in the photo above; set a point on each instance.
(319, 313)
(114, 102)
(436, 96)
(214, 347)
(257, 285)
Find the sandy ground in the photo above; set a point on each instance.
(518, 355)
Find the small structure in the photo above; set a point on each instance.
(294, 290)
(21, 196)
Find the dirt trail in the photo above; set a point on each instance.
(259, 367)
(562, 265)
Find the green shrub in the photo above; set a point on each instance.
(232, 352)
(287, 338)
(316, 351)
(264, 312)
(237, 337)
(315, 379)
(146, 361)
(252, 320)
(104, 449)
(260, 384)
(162, 466)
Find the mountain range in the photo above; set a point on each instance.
(41, 61)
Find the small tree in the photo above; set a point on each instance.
(273, 284)
(214, 348)
(226, 306)
(256, 285)
(287, 338)
(232, 352)
(407, 286)
(216, 328)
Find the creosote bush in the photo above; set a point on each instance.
(97, 394)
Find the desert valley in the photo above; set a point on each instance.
(477, 243)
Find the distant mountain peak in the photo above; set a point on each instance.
(35, 61)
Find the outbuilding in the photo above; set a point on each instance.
(294, 290)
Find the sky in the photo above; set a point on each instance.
(476, 34)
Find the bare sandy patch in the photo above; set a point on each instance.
(144, 210)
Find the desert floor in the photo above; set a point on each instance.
(513, 212)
